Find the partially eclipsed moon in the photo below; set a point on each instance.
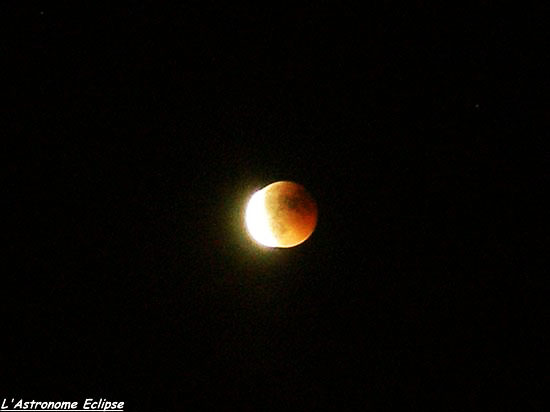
(282, 214)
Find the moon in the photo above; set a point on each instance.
(282, 214)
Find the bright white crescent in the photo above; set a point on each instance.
(257, 220)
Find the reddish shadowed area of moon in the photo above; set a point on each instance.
(292, 212)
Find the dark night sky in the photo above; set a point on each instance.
(134, 137)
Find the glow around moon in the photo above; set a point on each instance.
(282, 214)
